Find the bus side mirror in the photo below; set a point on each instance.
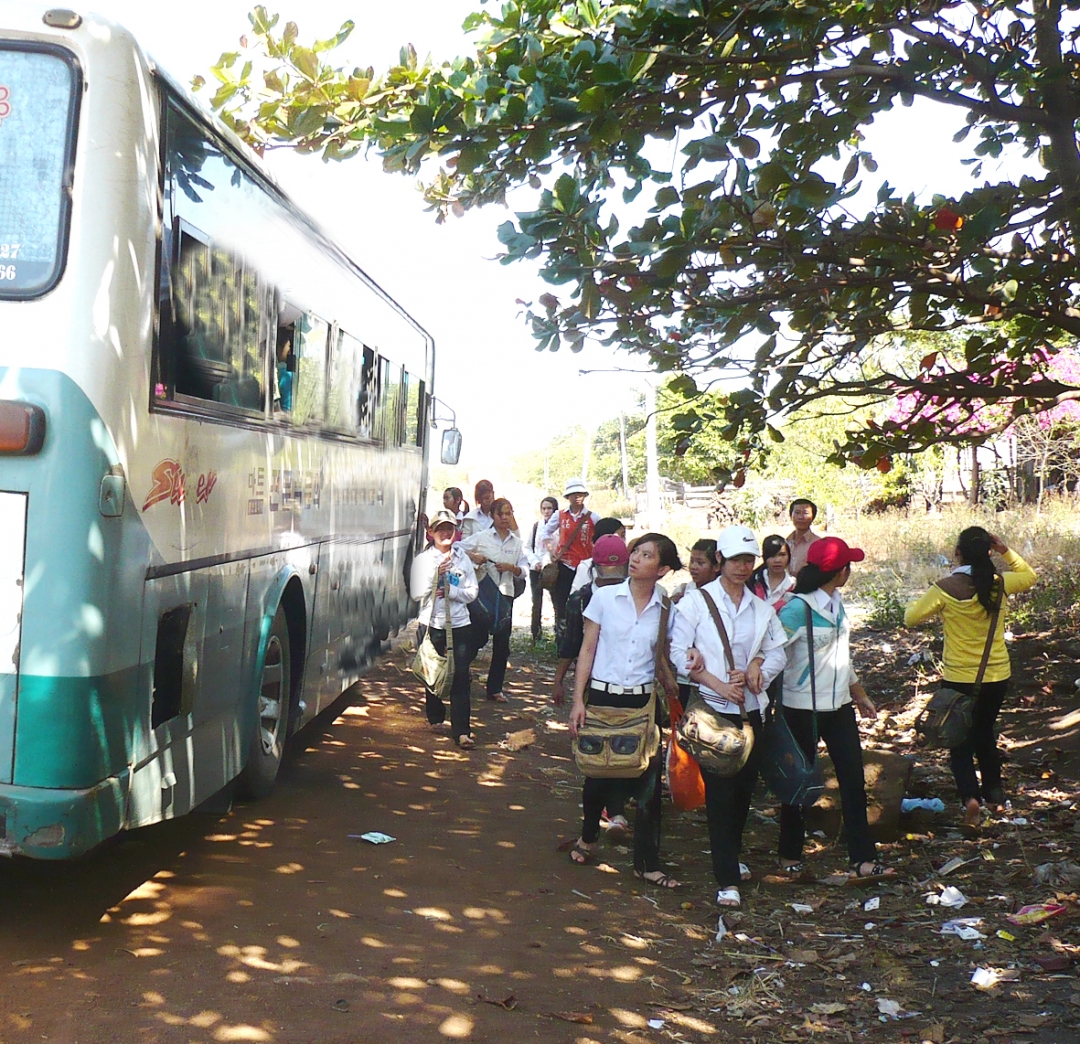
(451, 446)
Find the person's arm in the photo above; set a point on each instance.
(771, 658)
(861, 700)
(583, 673)
(929, 605)
(558, 686)
(683, 627)
(467, 588)
(421, 576)
(1020, 576)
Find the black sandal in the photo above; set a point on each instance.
(662, 880)
(581, 854)
(878, 872)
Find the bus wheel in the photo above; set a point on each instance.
(272, 718)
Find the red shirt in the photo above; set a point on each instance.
(580, 548)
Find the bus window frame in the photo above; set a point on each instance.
(192, 404)
(67, 180)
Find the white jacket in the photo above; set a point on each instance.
(460, 582)
(753, 632)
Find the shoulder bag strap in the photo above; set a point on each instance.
(449, 628)
(813, 680)
(715, 614)
(990, 633)
(557, 557)
(536, 526)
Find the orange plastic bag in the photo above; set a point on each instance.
(683, 773)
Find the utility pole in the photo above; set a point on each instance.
(652, 466)
(622, 453)
(590, 435)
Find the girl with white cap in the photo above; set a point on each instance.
(733, 685)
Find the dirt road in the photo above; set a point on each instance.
(272, 924)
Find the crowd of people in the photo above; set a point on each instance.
(759, 632)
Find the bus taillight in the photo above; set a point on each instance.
(22, 428)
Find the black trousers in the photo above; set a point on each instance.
(500, 655)
(560, 595)
(841, 735)
(981, 744)
(727, 806)
(460, 705)
(537, 602)
(596, 794)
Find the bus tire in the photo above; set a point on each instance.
(271, 721)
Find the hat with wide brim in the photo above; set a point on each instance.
(575, 486)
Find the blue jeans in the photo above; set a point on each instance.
(460, 706)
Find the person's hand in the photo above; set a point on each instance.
(997, 545)
(444, 565)
(506, 567)
(477, 557)
(732, 692)
(694, 661)
(577, 715)
(863, 704)
(558, 692)
(754, 681)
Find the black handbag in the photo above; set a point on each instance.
(792, 775)
(945, 722)
(491, 610)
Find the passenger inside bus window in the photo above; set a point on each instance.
(367, 402)
(285, 367)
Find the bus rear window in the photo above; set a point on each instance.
(37, 138)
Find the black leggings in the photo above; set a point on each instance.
(460, 706)
(613, 793)
(981, 744)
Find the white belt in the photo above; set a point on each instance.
(621, 690)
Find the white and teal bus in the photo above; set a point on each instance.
(213, 436)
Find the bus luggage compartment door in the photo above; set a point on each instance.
(12, 560)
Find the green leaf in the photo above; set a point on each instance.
(748, 147)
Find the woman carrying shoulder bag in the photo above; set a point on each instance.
(968, 600)
(732, 663)
(444, 582)
(616, 667)
(820, 693)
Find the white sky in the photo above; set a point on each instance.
(508, 398)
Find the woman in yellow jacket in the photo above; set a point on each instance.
(966, 599)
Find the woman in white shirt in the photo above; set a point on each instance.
(730, 689)
(499, 555)
(444, 582)
(538, 558)
(704, 568)
(771, 581)
(616, 667)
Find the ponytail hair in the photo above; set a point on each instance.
(973, 546)
(666, 551)
(811, 577)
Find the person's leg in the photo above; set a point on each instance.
(460, 706)
(433, 705)
(559, 597)
(647, 819)
(984, 739)
(792, 825)
(537, 602)
(745, 782)
(962, 762)
(500, 653)
(840, 732)
(594, 794)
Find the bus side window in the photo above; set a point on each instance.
(391, 424)
(309, 380)
(285, 357)
(346, 384)
(367, 402)
(414, 410)
(216, 334)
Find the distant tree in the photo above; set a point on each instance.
(744, 255)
